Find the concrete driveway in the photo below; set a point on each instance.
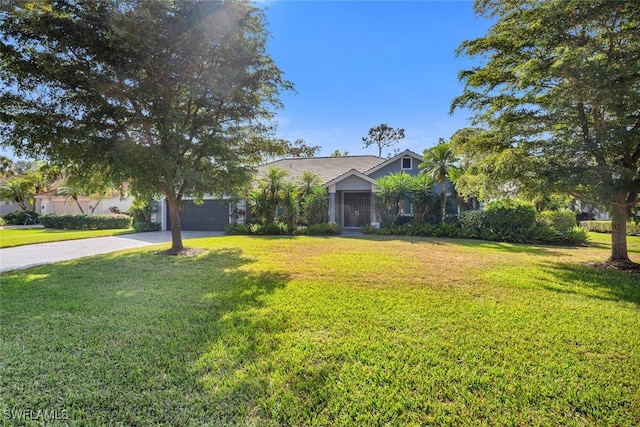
(46, 253)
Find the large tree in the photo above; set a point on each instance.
(558, 94)
(174, 97)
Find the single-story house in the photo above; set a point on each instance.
(51, 203)
(349, 180)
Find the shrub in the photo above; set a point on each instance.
(17, 218)
(86, 222)
(576, 236)
(143, 226)
(605, 227)
(2, 222)
(325, 228)
(507, 215)
(472, 220)
(562, 221)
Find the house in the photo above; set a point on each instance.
(349, 180)
(51, 203)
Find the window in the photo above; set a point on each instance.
(406, 163)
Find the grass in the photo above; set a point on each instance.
(10, 237)
(326, 331)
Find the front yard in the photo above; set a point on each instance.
(326, 331)
(17, 236)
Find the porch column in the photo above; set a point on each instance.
(332, 203)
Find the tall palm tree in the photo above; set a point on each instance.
(439, 162)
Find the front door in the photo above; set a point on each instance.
(357, 209)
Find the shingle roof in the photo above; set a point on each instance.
(327, 168)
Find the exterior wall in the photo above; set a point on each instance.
(396, 166)
(7, 206)
(353, 183)
(59, 205)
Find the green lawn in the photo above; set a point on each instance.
(27, 236)
(326, 331)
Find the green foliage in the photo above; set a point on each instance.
(279, 228)
(473, 220)
(178, 107)
(563, 220)
(393, 191)
(439, 163)
(556, 101)
(2, 222)
(633, 229)
(423, 199)
(86, 222)
(576, 236)
(319, 229)
(383, 136)
(506, 220)
(141, 211)
(18, 217)
(146, 226)
(315, 206)
(507, 215)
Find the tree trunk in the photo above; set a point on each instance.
(619, 233)
(176, 229)
(443, 203)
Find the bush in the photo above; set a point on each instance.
(142, 226)
(325, 228)
(576, 236)
(562, 221)
(86, 222)
(508, 215)
(2, 222)
(605, 227)
(472, 220)
(18, 217)
(279, 228)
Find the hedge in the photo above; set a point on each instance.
(633, 229)
(86, 222)
(280, 228)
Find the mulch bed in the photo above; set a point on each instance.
(629, 267)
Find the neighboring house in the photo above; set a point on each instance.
(51, 203)
(349, 180)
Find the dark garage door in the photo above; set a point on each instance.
(212, 215)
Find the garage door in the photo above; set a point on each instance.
(212, 215)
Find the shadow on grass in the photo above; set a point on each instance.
(593, 282)
(140, 339)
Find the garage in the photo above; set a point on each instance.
(212, 215)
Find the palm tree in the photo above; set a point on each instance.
(422, 192)
(439, 162)
(393, 190)
(69, 192)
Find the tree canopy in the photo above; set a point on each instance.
(174, 97)
(558, 101)
(383, 136)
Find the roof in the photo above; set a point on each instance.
(327, 168)
(352, 172)
(405, 153)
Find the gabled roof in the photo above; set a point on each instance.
(327, 168)
(346, 175)
(405, 153)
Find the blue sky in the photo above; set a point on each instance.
(357, 64)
